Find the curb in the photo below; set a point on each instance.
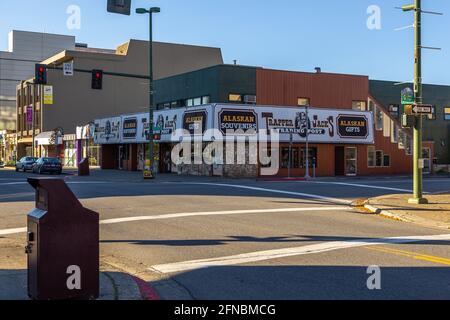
(386, 213)
(147, 292)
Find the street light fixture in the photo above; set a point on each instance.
(149, 172)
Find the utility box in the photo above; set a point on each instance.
(62, 244)
(83, 167)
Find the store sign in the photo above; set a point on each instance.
(195, 121)
(29, 114)
(68, 69)
(350, 126)
(48, 94)
(107, 131)
(237, 119)
(129, 128)
(407, 96)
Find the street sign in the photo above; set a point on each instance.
(68, 69)
(418, 109)
(407, 96)
(119, 6)
(48, 94)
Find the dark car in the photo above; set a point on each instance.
(26, 163)
(49, 165)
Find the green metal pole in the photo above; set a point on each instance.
(151, 151)
(418, 174)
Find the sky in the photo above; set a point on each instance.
(294, 35)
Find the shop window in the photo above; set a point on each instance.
(359, 105)
(303, 101)
(386, 160)
(351, 160)
(312, 157)
(235, 97)
(447, 113)
(371, 156)
(295, 163)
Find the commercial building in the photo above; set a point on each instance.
(436, 127)
(277, 99)
(75, 103)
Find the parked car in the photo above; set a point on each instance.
(26, 163)
(49, 165)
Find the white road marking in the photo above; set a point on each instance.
(306, 195)
(196, 214)
(288, 252)
(12, 231)
(217, 213)
(365, 186)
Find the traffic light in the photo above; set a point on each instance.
(97, 79)
(40, 74)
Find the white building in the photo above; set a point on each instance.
(25, 49)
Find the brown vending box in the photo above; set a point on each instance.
(62, 244)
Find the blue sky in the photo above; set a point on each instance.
(279, 34)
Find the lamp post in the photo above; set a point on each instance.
(150, 174)
(307, 176)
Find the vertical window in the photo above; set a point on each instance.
(386, 160)
(359, 105)
(234, 97)
(379, 158)
(371, 156)
(312, 157)
(447, 113)
(303, 101)
(378, 119)
(351, 159)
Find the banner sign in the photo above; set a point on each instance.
(235, 119)
(129, 128)
(48, 94)
(29, 114)
(107, 131)
(195, 121)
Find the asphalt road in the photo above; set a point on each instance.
(241, 239)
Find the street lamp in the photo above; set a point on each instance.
(150, 174)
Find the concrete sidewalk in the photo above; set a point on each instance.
(436, 214)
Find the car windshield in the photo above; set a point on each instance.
(50, 160)
(30, 159)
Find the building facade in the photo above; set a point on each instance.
(75, 103)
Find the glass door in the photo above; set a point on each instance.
(351, 158)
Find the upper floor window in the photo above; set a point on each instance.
(447, 113)
(232, 97)
(378, 119)
(394, 110)
(359, 105)
(303, 101)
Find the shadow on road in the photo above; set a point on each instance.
(313, 283)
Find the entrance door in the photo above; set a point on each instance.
(339, 161)
(351, 160)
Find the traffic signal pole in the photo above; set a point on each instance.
(150, 122)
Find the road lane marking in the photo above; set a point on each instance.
(6, 232)
(413, 255)
(195, 214)
(306, 195)
(217, 213)
(365, 186)
(288, 252)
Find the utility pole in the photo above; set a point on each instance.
(418, 100)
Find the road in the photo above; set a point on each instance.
(207, 238)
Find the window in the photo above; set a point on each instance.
(432, 116)
(295, 163)
(234, 97)
(312, 157)
(190, 102)
(378, 119)
(379, 159)
(206, 99)
(394, 110)
(386, 160)
(447, 113)
(371, 156)
(303, 101)
(359, 105)
(351, 159)
(197, 101)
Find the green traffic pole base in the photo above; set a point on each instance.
(418, 201)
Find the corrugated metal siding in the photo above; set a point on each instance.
(323, 89)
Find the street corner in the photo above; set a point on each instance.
(435, 213)
(124, 286)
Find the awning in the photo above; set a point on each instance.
(44, 139)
